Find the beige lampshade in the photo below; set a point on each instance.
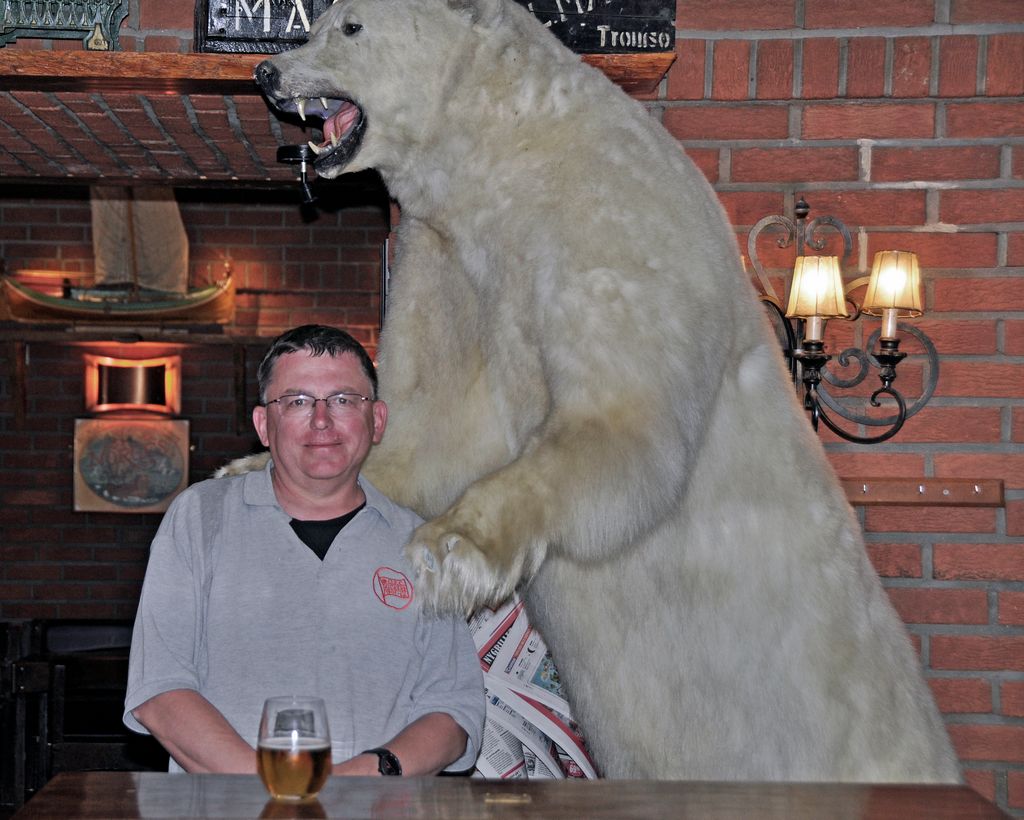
(817, 289)
(895, 284)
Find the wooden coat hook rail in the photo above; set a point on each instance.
(924, 492)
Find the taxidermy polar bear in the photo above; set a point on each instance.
(587, 404)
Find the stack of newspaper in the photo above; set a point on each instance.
(529, 732)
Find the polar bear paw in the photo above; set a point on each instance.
(453, 574)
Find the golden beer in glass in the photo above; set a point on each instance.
(294, 747)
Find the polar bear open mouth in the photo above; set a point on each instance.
(344, 125)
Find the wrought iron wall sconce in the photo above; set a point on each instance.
(818, 294)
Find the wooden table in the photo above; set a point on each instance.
(112, 795)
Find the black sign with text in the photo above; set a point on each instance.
(586, 26)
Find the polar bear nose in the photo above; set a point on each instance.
(267, 76)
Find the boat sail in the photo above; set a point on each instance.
(141, 264)
(138, 238)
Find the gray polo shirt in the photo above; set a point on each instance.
(237, 608)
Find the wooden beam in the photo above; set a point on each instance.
(127, 71)
(924, 492)
(146, 72)
(635, 73)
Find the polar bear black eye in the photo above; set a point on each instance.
(351, 28)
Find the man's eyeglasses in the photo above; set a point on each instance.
(299, 404)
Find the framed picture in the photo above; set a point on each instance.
(129, 465)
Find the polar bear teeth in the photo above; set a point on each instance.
(301, 103)
(339, 116)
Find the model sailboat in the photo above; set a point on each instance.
(141, 258)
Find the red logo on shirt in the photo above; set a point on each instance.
(392, 588)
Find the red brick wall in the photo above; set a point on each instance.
(906, 121)
(288, 267)
(57, 563)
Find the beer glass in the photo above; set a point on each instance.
(294, 747)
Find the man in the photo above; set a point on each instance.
(291, 580)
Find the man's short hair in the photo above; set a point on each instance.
(318, 340)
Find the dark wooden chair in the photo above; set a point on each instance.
(69, 690)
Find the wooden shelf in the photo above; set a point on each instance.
(126, 333)
(127, 71)
(224, 73)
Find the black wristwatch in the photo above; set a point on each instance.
(387, 762)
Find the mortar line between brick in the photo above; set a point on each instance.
(931, 206)
(795, 33)
(53, 132)
(798, 69)
(1006, 163)
(926, 185)
(794, 122)
(275, 126)
(844, 60)
(982, 66)
(101, 103)
(193, 119)
(864, 157)
(888, 142)
(887, 70)
(15, 157)
(155, 119)
(7, 155)
(239, 132)
(752, 71)
(709, 67)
